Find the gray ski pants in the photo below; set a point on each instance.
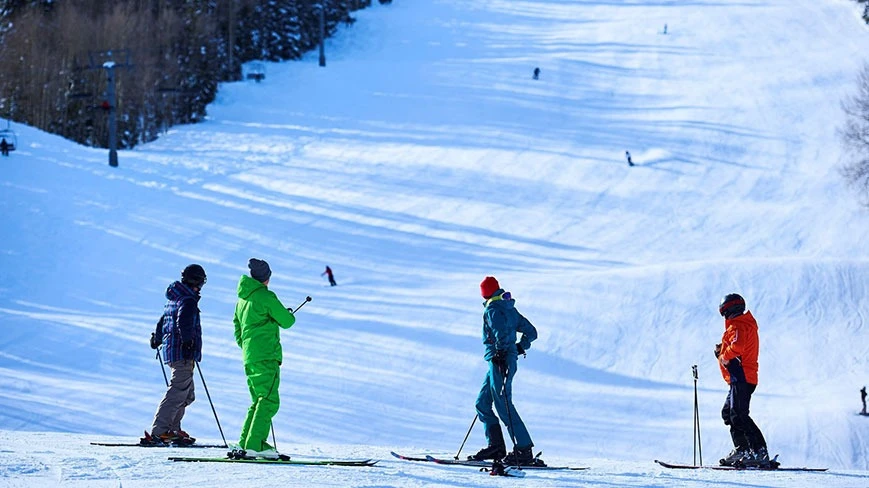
(177, 397)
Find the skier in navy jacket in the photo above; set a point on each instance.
(182, 349)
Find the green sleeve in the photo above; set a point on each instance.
(280, 314)
(237, 325)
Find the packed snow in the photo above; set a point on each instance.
(422, 158)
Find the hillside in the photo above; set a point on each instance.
(423, 158)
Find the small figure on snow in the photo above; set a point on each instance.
(501, 324)
(329, 274)
(628, 156)
(737, 357)
(259, 317)
(863, 399)
(182, 349)
(665, 29)
(4, 147)
(536, 73)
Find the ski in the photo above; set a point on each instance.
(136, 444)
(292, 462)
(407, 458)
(488, 464)
(476, 464)
(734, 468)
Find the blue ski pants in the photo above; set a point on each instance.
(497, 391)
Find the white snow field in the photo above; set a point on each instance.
(422, 158)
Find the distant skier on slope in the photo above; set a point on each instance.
(4, 147)
(501, 323)
(628, 156)
(182, 349)
(329, 274)
(259, 317)
(737, 357)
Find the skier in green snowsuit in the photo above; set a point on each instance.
(259, 316)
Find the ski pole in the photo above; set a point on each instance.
(697, 443)
(506, 372)
(274, 439)
(165, 378)
(307, 299)
(199, 367)
(466, 437)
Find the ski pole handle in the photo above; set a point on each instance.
(307, 299)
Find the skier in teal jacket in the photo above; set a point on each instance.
(501, 323)
(259, 316)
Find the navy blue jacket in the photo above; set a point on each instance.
(181, 324)
(501, 322)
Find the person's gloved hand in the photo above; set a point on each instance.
(520, 349)
(500, 360)
(155, 342)
(187, 350)
(717, 350)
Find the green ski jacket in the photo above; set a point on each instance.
(259, 317)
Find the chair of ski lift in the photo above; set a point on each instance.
(10, 137)
(256, 71)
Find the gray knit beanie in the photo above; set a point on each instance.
(259, 269)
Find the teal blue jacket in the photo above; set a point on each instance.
(501, 323)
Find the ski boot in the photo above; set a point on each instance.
(735, 457)
(523, 456)
(177, 438)
(151, 441)
(756, 459)
(495, 450)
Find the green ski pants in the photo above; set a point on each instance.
(263, 381)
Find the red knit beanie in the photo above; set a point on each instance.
(489, 286)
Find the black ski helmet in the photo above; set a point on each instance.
(193, 275)
(732, 305)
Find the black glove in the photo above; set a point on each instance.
(500, 360)
(155, 342)
(520, 349)
(717, 350)
(187, 350)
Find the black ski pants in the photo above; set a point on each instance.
(743, 430)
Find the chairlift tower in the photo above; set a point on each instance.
(322, 33)
(110, 61)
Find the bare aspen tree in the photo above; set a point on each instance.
(855, 137)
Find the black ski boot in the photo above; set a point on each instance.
(496, 448)
(522, 456)
(735, 457)
(757, 459)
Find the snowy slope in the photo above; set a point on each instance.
(422, 158)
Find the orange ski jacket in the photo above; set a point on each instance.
(739, 348)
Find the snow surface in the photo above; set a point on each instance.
(422, 158)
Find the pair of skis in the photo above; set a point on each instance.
(286, 460)
(237, 457)
(137, 444)
(240, 456)
(774, 467)
(491, 467)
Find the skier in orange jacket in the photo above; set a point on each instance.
(737, 358)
